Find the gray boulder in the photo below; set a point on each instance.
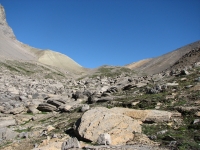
(70, 143)
(85, 108)
(55, 103)
(46, 107)
(32, 109)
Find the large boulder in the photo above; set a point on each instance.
(101, 120)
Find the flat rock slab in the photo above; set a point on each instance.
(7, 122)
(7, 134)
(144, 115)
(101, 120)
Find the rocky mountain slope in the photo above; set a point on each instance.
(161, 63)
(114, 109)
(11, 48)
(188, 59)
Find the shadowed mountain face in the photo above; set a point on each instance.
(159, 64)
(11, 48)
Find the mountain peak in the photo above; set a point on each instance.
(4, 25)
(2, 16)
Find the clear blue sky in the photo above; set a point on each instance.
(99, 32)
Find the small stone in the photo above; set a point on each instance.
(197, 114)
(23, 135)
(35, 145)
(67, 108)
(54, 136)
(85, 108)
(152, 137)
(162, 132)
(196, 121)
(49, 128)
(183, 79)
(134, 103)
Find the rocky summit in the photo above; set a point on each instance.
(139, 107)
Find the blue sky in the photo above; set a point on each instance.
(105, 32)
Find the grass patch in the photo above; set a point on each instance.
(25, 123)
(44, 112)
(24, 130)
(5, 144)
(184, 135)
(25, 71)
(28, 114)
(9, 67)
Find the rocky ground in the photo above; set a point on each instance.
(112, 108)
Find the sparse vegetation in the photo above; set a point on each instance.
(112, 72)
(24, 130)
